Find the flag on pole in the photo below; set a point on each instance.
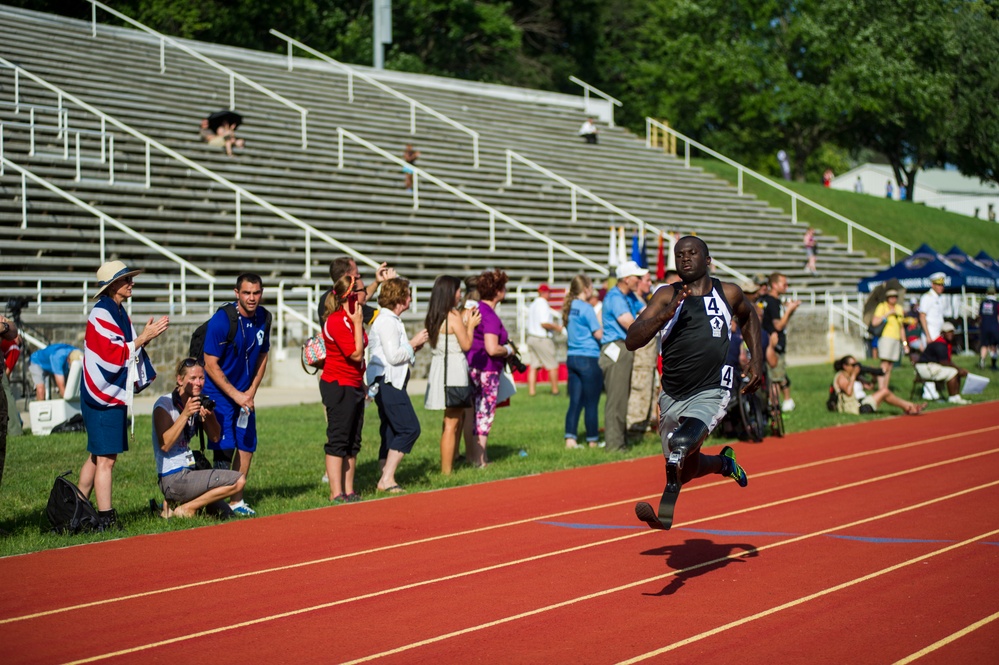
(660, 261)
(622, 249)
(612, 256)
(636, 250)
(645, 252)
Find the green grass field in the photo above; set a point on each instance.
(907, 224)
(288, 467)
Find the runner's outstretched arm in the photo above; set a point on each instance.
(664, 304)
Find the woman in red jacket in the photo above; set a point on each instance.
(342, 385)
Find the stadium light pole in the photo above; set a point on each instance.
(383, 30)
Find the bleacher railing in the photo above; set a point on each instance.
(105, 219)
(233, 75)
(240, 192)
(351, 73)
(651, 123)
(643, 227)
(494, 214)
(587, 89)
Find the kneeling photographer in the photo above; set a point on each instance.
(186, 479)
(850, 386)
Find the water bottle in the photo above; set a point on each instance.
(244, 418)
(372, 391)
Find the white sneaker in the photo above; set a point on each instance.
(787, 406)
(957, 399)
(930, 392)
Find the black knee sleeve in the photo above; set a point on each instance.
(689, 435)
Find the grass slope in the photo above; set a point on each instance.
(908, 224)
(288, 466)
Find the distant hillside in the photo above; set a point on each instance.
(906, 223)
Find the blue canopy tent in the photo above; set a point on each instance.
(914, 272)
(987, 261)
(976, 276)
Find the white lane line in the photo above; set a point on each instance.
(550, 516)
(947, 640)
(343, 601)
(805, 599)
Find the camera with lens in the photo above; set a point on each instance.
(516, 364)
(15, 305)
(207, 403)
(871, 371)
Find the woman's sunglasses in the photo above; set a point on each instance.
(191, 362)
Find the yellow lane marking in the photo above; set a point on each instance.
(947, 640)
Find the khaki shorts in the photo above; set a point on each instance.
(189, 484)
(778, 374)
(935, 372)
(541, 353)
(889, 349)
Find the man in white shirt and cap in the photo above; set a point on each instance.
(542, 325)
(934, 307)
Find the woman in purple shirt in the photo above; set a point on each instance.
(486, 360)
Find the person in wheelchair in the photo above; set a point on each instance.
(850, 386)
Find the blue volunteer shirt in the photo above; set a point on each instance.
(54, 358)
(238, 361)
(582, 324)
(615, 304)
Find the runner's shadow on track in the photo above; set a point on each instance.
(695, 557)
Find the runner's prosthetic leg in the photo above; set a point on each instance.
(684, 442)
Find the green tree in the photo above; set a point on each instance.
(974, 138)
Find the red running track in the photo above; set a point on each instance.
(873, 543)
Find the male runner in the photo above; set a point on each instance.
(694, 317)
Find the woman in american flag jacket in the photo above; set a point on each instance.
(115, 366)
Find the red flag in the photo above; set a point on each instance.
(661, 265)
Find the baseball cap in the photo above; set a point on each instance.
(630, 269)
(947, 327)
(749, 286)
(891, 292)
(544, 287)
(761, 279)
(938, 278)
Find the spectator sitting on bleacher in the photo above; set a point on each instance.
(935, 364)
(224, 137)
(53, 360)
(589, 131)
(410, 156)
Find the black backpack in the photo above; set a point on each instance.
(197, 349)
(68, 510)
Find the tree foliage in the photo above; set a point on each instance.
(914, 81)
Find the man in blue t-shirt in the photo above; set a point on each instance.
(620, 307)
(234, 372)
(988, 328)
(53, 360)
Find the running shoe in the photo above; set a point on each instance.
(731, 468)
(243, 509)
(353, 497)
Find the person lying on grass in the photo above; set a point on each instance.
(849, 388)
(176, 419)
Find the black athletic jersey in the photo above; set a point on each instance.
(695, 345)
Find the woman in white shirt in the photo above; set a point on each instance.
(392, 355)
